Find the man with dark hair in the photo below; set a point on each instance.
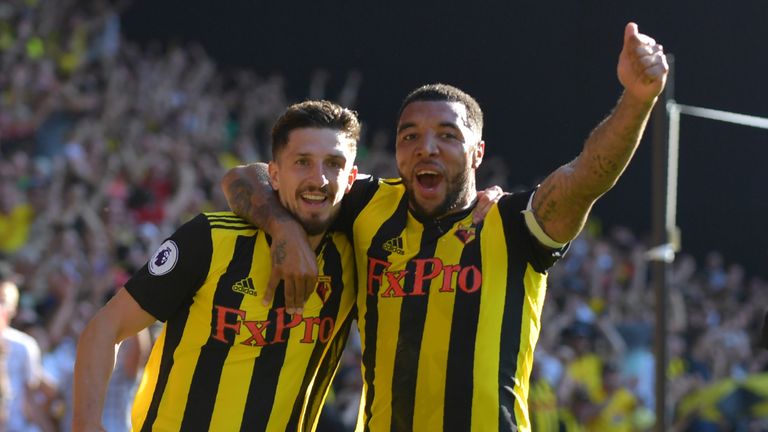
(448, 307)
(446, 93)
(225, 361)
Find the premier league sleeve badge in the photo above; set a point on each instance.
(164, 259)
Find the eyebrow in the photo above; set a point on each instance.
(339, 157)
(451, 125)
(331, 156)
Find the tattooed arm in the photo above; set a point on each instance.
(563, 201)
(250, 195)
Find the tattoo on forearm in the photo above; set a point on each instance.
(271, 209)
(241, 191)
(280, 254)
(549, 205)
(604, 167)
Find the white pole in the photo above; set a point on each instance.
(724, 116)
(672, 162)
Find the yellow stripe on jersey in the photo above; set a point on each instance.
(535, 289)
(236, 378)
(433, 359)
(485, 397)
(386, 330)
(148, 382)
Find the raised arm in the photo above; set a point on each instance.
(250, 195)
(563, 201)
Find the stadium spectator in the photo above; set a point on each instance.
(22, 368)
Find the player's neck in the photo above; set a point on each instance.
(314, 240)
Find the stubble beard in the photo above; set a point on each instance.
(456, 197)
(315, 227)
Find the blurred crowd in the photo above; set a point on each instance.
(106, 147)
(594, 365)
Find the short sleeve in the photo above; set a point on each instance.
(175, 271)
(541, 257)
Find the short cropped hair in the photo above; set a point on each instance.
(447, 93)
(321, 114)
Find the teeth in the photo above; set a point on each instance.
(313, 197)
(423, 172)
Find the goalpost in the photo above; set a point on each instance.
(666, 236)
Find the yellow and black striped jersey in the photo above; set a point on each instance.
(449, 312)
(223, 361)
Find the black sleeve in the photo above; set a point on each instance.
(175, 271)
(540, 256)
(358, 197)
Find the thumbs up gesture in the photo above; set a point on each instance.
(642, 67)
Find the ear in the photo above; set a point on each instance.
(273, 169)
(477, 156)
(352, 177)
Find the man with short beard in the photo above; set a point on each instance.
(226, 360)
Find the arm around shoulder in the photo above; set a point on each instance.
(250, 195)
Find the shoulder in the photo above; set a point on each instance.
(515, 202)
(205, 224)
(370, 183)
(365, 190)
(225, 219)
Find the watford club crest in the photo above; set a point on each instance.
(323, 287)
(465, 233)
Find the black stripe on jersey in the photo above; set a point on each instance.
(459, 381)
(234, 227)
(173, 331)
(413, 314)
(266, 372)
(332, 266)
(515, 232)
(205, 380)
(392, 227)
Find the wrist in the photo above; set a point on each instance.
(639, 101)
(284, 226)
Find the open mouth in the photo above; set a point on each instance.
(314, 198)
(428, 179)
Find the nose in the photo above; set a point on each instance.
(427, 145)
(318, 177)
